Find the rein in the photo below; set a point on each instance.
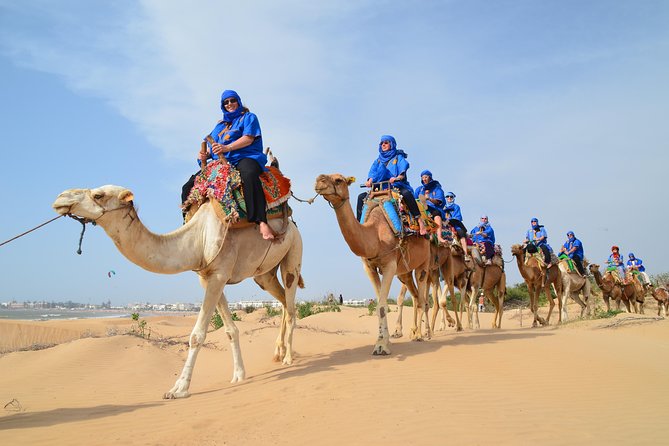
(31, 230)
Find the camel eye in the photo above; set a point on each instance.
(98, 196)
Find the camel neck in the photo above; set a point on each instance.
(360, 238)
(171, 253)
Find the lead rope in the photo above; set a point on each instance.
(31, 230)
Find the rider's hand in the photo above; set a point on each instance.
(392, 180)
(368, 183)
(217, 148)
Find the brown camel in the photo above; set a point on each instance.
(440, 256)
(492, 280)
(534, 278)
(220, 255)
(455, 273)
(383, 255)
(635, 293)
(661, 295)
(573, 284)
(612, 289)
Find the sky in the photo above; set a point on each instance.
(549, 109)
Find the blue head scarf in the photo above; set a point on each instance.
(426, 172)
(227, 116)
(631, 255)
(390, 154)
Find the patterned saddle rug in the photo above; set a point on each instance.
(222, 183)
(397, 215)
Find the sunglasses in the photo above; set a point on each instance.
(230, 101)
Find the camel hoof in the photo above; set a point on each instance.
(397, 334)
(379, 351)
(175, 395)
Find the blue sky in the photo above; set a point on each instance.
(554, 109)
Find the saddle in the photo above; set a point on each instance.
(564, 259)
(221, 182)
(613, 272)
(396, 213)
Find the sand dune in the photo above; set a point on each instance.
(597, 382)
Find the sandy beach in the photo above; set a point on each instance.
(599, 381)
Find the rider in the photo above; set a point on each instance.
(391, 166)
(538, 235)
(238, 138)
(615, 261)
(483, 235)
(454, 218)
(434, 197)
(637, 264)
(573, 248)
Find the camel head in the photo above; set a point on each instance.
(92, 204)
(334, 187)
(593, 267)
(517, 250)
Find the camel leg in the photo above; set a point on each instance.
(269, 282)
(231, 330)
(551, 305)
(606, 301)
(501, 294)
(419, 297)
(382, 287)
(213, 292)
(400, 307)
(566, 292)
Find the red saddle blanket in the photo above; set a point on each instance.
(222, 183)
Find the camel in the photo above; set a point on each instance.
(440, 256)
(534, 278)
(456, 273)
(219, 254)
(490, 278)
(611, 289)
(661, 295)
(573, 284)
(634, 293)
(383, 255)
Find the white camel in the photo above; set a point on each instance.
(220, 255)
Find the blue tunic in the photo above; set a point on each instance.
(244, 125)
(488, 235)
(454, 210)
(436, 192)
(575, 243)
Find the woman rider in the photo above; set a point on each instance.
(237, 137)
(391, 166)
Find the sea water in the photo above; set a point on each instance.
(47, 314)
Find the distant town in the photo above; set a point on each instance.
(169, 307)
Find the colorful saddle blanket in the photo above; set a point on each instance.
(397, 215)
(222, 183)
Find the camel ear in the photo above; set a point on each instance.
(126, 196)
(350, 180)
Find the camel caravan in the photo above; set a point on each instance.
(238, 225)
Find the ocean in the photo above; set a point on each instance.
(53, 313)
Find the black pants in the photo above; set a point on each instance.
(488, 249)
(579, 264)
(546, 252)
(407, 197)
(460, 229)
(254, 197)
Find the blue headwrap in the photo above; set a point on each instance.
(451, 194)
(390, 154)
(426, 172)
(631, 254)
(570, 233)
(229, 117)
